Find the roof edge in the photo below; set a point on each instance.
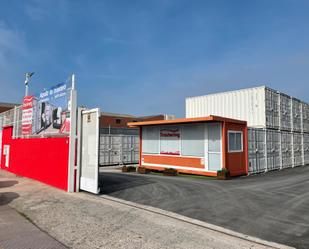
(210, 118)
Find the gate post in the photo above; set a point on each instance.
(78, 144)
(72, 138)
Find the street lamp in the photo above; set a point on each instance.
(28, 76)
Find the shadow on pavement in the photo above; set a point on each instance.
(6, 184)
(7, 197)
(113, 182)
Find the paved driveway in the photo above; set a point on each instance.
(273, 206)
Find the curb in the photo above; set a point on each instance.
(198, 223)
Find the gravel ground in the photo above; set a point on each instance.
(86, 221)
(272, 206)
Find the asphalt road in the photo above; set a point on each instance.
(272, 206)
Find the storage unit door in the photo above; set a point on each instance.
(257, 160)
(272, 109)
(130, 149)
(104, 150)
(273, 150)
(126, 149)
(286, 149)
(285, 112)
(305, 114)
(297, 147)
(306, 148)
(115, 149)
(135, 158)
(296, 115)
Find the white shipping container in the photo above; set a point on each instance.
(247, 104)
(261, 107)
(273, 149)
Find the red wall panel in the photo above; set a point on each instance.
(42, 159)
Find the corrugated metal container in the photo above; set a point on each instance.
(118, 149)
(306, 148)
(286, 149)
(259, 106)
(256, 144)
(247, 104)
(297, 115)
(297, 149)
(273, 149)
(305, 117)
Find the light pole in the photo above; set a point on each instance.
(28, 76)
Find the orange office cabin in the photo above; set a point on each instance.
(201, 146)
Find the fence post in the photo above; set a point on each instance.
(14, 122)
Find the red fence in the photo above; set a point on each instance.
(42, 159)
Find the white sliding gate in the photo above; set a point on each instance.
(89, 141)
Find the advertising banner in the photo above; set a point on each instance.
(170, 141)
(27, 115)
(47, 111)
(53, 110)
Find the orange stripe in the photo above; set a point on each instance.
(193, 172)
(192, 162)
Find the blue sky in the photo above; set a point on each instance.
(144, 57)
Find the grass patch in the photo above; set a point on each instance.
(197, 176)
(185, 175)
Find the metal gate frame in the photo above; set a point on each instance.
(87, 184)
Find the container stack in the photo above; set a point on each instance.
(278, 124)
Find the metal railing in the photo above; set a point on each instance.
(13, 117)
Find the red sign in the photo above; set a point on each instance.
(27, 115)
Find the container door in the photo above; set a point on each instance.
(296, 115)
(214, 146)
(305, 113)
(90, 151)
(104, 149)
(306, 148)
(286, 147)
(297, 147)
(126, 149)
(272, 109)
(130, 149)
(115, 149)
(256, 142)
(135, 149)
(273, 150)
(286, 110)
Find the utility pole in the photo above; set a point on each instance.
(28, 76)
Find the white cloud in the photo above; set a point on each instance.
(35, 12)
(38, 10)
(11, 42)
